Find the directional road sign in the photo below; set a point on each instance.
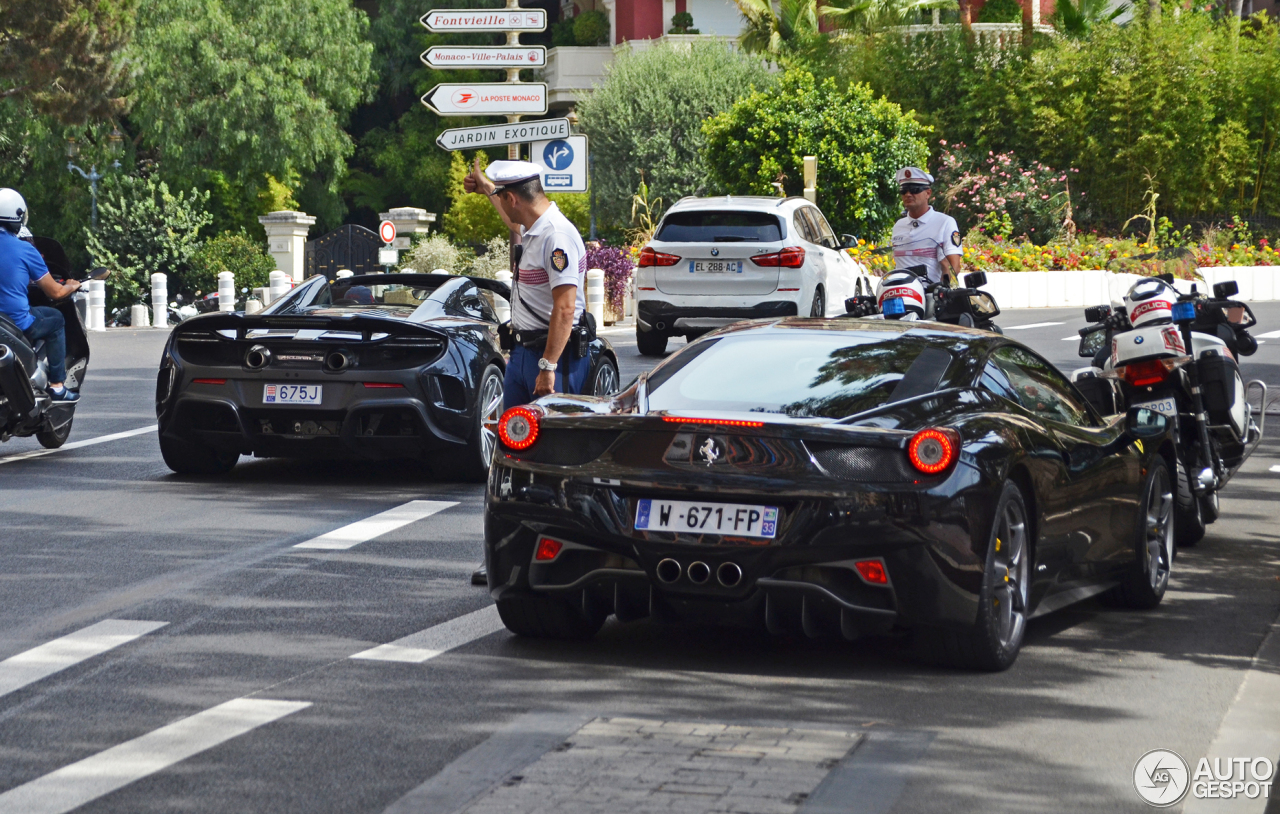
(466, 56)
(469, 138)
(443, 21)
(487, 98)
(387, 231)
(563, 162)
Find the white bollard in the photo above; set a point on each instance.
(500, 304)
(226, 291)
(252, 306)
(138, 317)
(160, 300)
(264, 295)
(280, 284)
(97, 305)
(595, 294)
(345, 273)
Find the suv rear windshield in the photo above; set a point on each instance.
(709, 226)
(827, 374)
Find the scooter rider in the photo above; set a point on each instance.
(925, 236)
(21, 265)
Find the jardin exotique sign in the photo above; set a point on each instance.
(470, 138)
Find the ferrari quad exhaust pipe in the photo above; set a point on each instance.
(257, 358)
(337, 360)
(699, 572)
(728, 574)
(669, 570)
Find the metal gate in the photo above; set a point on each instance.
(348, 247)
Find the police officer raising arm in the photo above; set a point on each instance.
(547, 295)
(925, 236)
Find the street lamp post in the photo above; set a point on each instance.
(115, 141)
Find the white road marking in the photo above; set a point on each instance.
(40, 662)
(88, 442)
(378, 525)
(1269, 335)
(427, 644)
(83, 781)
(1275, 469)
(1071, 338)
(1032, 325)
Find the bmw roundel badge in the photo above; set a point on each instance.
(715, 252)
(1137, 340)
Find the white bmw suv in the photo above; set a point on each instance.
(714, 261)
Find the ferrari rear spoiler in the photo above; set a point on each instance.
(234, 326)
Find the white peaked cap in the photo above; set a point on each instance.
(912, 175)
(506, 173)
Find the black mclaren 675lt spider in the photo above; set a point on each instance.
(830, 478)
(374, 366)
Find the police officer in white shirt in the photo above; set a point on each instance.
(548, 293)
(925, 236)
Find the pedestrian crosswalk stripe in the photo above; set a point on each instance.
(1269, 335)
(88, 442)
(40, 662)
(427, 644)
(378, 525)
(83, 781)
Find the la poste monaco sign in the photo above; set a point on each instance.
(443, 21)
(469, 138)
(494, 98)
(465, 56)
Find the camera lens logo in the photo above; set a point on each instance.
(1161, 778)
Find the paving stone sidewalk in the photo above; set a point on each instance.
(638, 766)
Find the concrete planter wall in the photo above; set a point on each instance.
(1042, 289)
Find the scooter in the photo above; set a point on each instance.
(967, 306)
(1200, 390)
(25, 408)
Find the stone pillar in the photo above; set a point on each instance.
(1035, 12)
(409, 221)
(287, 240)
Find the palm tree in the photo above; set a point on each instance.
(871, 15)
(1077, 18)
(792, 26)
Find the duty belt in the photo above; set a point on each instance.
(530, 339)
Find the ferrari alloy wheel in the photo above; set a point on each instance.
(1144, 586)
(1188, 514)
(604, 381)
(993, 642)
(651, 343)
(485, 438)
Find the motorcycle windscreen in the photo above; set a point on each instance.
(54, 256)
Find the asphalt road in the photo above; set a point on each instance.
(248, 674)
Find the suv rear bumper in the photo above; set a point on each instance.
(672, 319)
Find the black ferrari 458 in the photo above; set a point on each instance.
(830, 478)
(373, 366)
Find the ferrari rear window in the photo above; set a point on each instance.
(805, 375)
(718, 226)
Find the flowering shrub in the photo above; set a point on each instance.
(997, 194)
(618, 267)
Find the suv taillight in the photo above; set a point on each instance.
(648, 257)
(791, 258)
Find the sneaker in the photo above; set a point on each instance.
(63, 394)
(480, 576)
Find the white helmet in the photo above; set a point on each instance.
(1150, 302)
(13, 210)
(905, 286)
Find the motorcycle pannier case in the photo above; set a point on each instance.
(1219, 387)
(1101, 393)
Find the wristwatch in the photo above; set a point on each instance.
(544, 364)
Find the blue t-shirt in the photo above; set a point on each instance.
(20, 265)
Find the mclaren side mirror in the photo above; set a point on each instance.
(1143, 424)
(975, 279)
(1225, 290)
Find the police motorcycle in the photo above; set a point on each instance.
(908, 294)
(1141, 359)
(25, 408)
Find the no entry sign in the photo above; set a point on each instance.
(387, 231)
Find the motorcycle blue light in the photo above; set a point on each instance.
(892, 307)
(1184, 311)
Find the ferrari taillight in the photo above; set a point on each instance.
(1141, 374)
(933, 450)
(518, 427)
(872, 571)
(790, 258)
(547, 549)
(649, 257)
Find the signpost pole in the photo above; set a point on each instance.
(513, 150)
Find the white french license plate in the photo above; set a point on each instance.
(737, 519)
(715, 266)
(292, 393)
(1167, 407)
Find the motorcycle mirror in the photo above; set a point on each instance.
(178, 298)
(1225, 290)
(976, 279)
(1167, 277)
(1143, 424)
(1097, 313)
(244, 291)
(99, 273)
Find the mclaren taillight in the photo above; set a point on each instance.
(518, 428)
(719, 422)
(1142, 374)
(208, 381)
(382, 385)
(547, 550)
(933, 450)
(789, 258)
(649, 257)
(872, 571)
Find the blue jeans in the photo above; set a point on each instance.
(522, 375)
(51, 327)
